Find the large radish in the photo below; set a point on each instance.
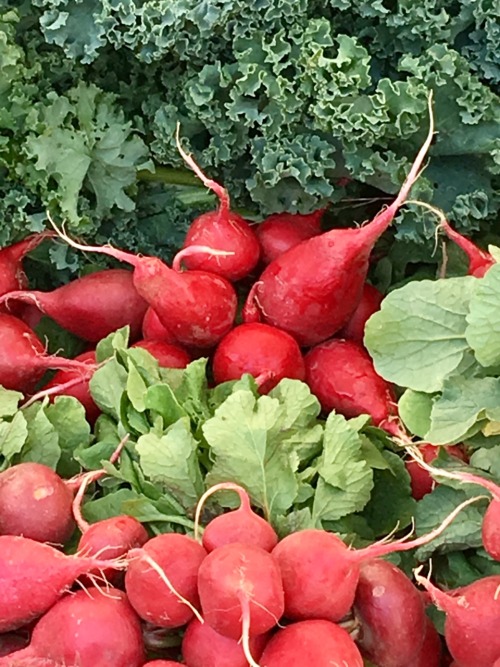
(282, 231)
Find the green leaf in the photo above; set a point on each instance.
(487, 459)
(118, 340)
(9, 401)
(414, 408)
(42, 443)
(192, 391)
(417, 339)
(483, 330)
(107, 387)
(161, 399)
(67, 416)
(13, 435)
(136, 388)
(112, 504)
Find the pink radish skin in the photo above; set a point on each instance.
(113, 537)
(479, 260)
(90, 307)
(240, 525)
(318, 643)
(240, 583)
(282, 231)
(12, 276)
(163, 663)
(312, 290)
(431, 650)
(167, 354)
(23, 361)
(370, 302)
(203, 647)
(90, 628)
(265, 352)
(179, 557)
(35, 503)
(388, 608)
(153, 329)
(340, 373)
(33, 576)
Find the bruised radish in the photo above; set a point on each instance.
(161, 579)
(388, 607)
(23, 361)
(312, 290)
(196, 306)
(153, 329)
(421, 481)
(370, 302)
(167, 354)
(318, 643)
(241, 525)
(340, 373)
(91, 628)
(12, 276)
(222, 229)
(265, 352)
(36, 503)
(203, 647)
(282, 231)
(33, 576)
(431, 649)
(90, 307)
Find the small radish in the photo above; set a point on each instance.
(222, 229)
(153, 329)
(318, 643)
(282, 231)
(161, 579)
(33, 576)
(90, 307)
(431, 650)
(91, 628)
(167, 354)
(198, 307)
(312, 290)
(240, 525)
(421, 481)
(36, 503)
(265, 352)
(12, 276)
(370, 302)
(23, 361)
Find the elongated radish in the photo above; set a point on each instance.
(168, 355)
(196, 306)
(320, 573)
(421, 480)
(12, 276)
(240, 525)
(222, 229)
(153, 329)
(23, 361)
(265, 352)
(312, 290)
(282, 231)
(90, 307)
(33, 576)
(370, 302)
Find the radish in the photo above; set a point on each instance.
(33, 576)
(163, 663)
(90, 628)
(23, 361)
(431, 650)
(340, 373)
(11, 642)
(153, 329)
(318, 643)
(421, 481)
(472, 620)
(222, 229)
(90, 307)
(391, 614)
(265, 352)
(203, 647)
(312, 290)
(320, 573)
(167, 354)
(12, 276)
(36, 503)
(196, 306)
(241, 525)
(282, 231)
(370, 302)
(161, 579)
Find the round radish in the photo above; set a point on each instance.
(282, 231)
(421, 481)
(153, 329)
(163, 663)
(167, 355)
(431, 650)
(370, 302)
(12, 276)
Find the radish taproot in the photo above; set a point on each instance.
(369, 304)
(90, 307)
(12, 276)
(282, 231)
(167, 355)
(35, 503)
(265, 352)
(312, 290)
(240, 525)
(153, 329)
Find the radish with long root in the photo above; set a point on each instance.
(312, 290)
(282, 231)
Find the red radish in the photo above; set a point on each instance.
(196, 306)
(11, 642)
(23, 361)
(318, 643)
(90, 628)
(265, 352)
(282, 231)
(421, 481)
(222, 229)
(312, 290)
(33, 576)
(90, 307)
(391, 614)
(203, 647)
(479, 260)
(163, 663)
(241, 525)
(153, 329)
(472, 620)
(167, 354)
(12, 276)
(36, 503)
(340, 373)
(320, 573)
(370, 302)
(431, 650)
(161, 579)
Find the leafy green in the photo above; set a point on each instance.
(483, 320)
